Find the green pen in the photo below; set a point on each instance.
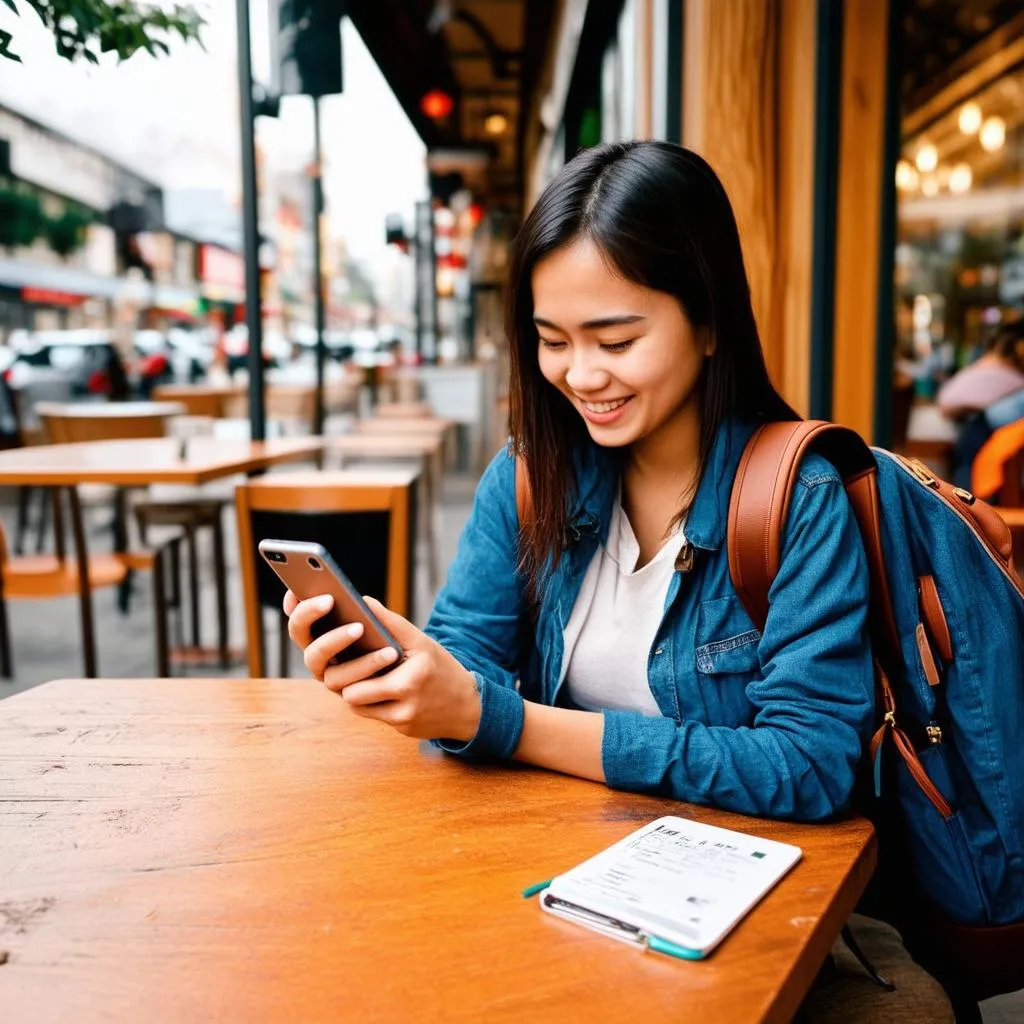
(672, 949)
(534, 889)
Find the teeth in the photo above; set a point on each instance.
(605, 406)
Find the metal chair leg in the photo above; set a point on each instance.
(24, 507)
(6, 669)
(163, 651)
(220, 575)
(84, 588)
(193, 583)
(175, 599)
(46, 506)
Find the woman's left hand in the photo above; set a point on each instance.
(428, 696)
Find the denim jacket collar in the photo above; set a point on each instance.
(597, 476)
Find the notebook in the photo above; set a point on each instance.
(675, 886)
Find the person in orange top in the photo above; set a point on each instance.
(988, 471)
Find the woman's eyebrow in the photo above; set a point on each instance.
(593, 325)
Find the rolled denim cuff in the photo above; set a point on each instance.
(501, 723)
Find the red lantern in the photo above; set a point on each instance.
(437, 104)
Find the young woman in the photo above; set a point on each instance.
(606, 639)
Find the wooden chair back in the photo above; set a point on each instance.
(197, 399)
(366, 520)
(404, 410)
(295, 403)
(289, 403)
(68, 424)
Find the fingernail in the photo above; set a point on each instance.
(324, 602)
(387, 654)
(354, 629)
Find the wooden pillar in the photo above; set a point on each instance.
(748, 108)
(858, 212)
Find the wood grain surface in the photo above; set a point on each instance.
(238, 850)
(138, 462)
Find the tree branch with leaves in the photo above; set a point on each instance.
(82, 27)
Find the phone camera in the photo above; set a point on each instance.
(314, 563)
(276, 556)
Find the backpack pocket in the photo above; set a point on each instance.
(946, 867)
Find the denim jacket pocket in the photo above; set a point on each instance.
(726, 639)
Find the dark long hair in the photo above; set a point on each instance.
(659, 214)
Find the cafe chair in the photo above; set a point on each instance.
(38, 577)
(189, 511)
(366, 520)
(404, 410)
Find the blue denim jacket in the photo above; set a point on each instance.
(768, 724)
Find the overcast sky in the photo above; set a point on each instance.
(175, 119)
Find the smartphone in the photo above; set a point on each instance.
(307, 570)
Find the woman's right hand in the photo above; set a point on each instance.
(317, 654)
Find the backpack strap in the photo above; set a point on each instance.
(759, 505)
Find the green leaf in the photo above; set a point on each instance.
(5, 51)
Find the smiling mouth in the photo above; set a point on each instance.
(599, 407)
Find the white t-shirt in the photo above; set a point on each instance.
(608, 637)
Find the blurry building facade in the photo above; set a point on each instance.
(873, 151)
(86, 242)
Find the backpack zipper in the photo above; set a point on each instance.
(919, 473)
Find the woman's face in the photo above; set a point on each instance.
(624, 355)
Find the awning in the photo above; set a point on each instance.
(17, 274)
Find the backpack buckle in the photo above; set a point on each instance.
(920, 470)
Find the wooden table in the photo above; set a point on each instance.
(136, 463)
(249, 850)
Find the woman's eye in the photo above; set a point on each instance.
(618, 346)
(552, 346)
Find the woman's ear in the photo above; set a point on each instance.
(708, 341)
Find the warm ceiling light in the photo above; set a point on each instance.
(960, 179)
(437, 104)
(992, 134)
(906, 176)
(496, 124)
(969, 120)
(927, 158)
(929, 186)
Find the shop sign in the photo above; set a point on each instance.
(222, 268)
(50, 297)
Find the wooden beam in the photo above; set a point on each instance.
(858, 211)
(789, 359)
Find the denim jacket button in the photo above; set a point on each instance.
(659, 650)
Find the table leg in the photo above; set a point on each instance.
(84, 589)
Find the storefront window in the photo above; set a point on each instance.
(959, 267)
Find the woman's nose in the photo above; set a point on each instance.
(585, 374)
